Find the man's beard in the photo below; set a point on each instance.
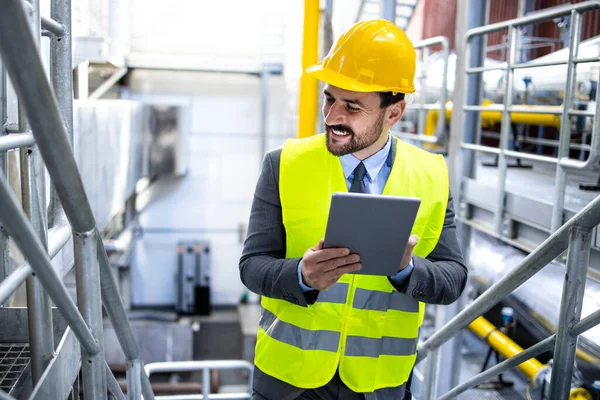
(356, 142)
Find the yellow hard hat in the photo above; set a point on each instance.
(371, 56)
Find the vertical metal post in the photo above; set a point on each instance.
(578, 259)
(505, 131)
(430, 381)
(560, 181)
(4, 244)
(205, 383)
(388, 10)
(468, 89)
(90, 305)
(423, 91)
(33, 192)
(61, 73)
(134, 382)
(264, 111)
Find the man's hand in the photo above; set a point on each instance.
(408, 251)
(321, 268)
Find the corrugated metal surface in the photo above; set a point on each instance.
(438, 18)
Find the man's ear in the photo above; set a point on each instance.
(395, 112)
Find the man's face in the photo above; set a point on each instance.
(353, 120)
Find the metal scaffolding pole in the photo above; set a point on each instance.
(61, 73)
(388, 10)
(90, 306)
(4, 243)
(578, 260)
(33, 193)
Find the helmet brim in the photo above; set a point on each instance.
(317, 71)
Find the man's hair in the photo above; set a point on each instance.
(388, 98)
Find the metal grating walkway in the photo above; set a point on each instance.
(13, 361)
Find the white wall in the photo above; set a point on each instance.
(215, 197)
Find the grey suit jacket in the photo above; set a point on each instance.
(438, 279)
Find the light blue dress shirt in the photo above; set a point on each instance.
(378, 172)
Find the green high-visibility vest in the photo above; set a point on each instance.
(361, 325)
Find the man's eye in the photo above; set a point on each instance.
(352, 109)
(328, 100)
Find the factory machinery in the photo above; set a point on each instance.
(524, 161)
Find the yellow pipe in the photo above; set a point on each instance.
(489, 118)
(504, 345)
(308, 99)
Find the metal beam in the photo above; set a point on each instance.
(113, 385)
(388, 10)
(578, 260)
(53, 27)
(15, 141)
(107, 84)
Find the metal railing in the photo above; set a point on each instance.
(49, 121)
(563, 161)
(574, 236)
(422, 108)
(205, 366)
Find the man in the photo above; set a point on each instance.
(326, 333)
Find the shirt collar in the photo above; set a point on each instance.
(373, 164)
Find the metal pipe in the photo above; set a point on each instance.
(90, 305)
(61, 75)
(388, 10)
(578, 260)
(587, 323)
(264, 112)
(4, 241)
(504, 133)
(107, 84)
(52, 26)
(504, 345)
(25, 67)
(146, 386)
(497, 369)
(307, 103)
(560, 181)
(134, 383)
(56, 241)
(551, 248)
(113, 385)
(118, 316)
(33, 199)
(17, 226)
(431, 377)
(16, 141)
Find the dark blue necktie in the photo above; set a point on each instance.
(358, 182)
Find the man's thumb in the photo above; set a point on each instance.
(319, 246)
(413, 240)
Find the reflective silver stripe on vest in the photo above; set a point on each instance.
(298, 337)
(373, 347)
(335, 294)
(382, 301)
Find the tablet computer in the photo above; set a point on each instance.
(376, 227)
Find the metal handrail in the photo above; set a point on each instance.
(555, 245)
(563, 161)
(439, 131)
(205, 366)
(52, 134)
